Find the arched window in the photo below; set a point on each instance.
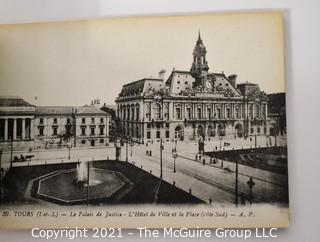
(257, 111)
(137, 112)
(156, 111)
(251, 111)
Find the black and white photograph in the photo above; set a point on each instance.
(144, 115)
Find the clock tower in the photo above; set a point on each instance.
(199, 68)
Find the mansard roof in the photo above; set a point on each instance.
(252, 91)
(181, 82)
(91, 110)
(141, 87)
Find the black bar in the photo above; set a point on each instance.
(160, 158)
(88, 178)
(236, 188)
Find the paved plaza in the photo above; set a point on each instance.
(210, 182)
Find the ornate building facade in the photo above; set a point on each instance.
(23, 125)
(192, 104)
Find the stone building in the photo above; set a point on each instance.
(16, 122)
(92, 126)
(23, 125)
(192, 104)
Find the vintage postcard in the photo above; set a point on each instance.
(144, 122)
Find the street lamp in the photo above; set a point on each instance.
(250, 183)
(69, 148)
(220, 138)
(174, 155)
(88, 181)
(237, 183)
(11, 152)
(161, 148)
(131, 144)
(127, 149)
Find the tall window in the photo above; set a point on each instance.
(83, 130)
(54, 130)
(137, 113)
(188, 113)
(219, 112)
(199, 113)
(228, 112)
(101, 130)
(178, 112)
(257, 111)
(209, 113)
(101, 120)
(41, 131)
(41, 121)
(55, 120)
(158, 134)
(251, 111)
(156, 111)
(92, 131)
(263, 111)
(83, 120)
(237, 112)
(167, 134)
(132, 113)
(92, 120)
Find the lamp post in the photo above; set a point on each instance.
(220, 138)
(174, 155)
(69, 148)
(255, 141)
(237, 184)
(250, 183)
(11, 152)
(127, 149)
(161, 148)
(131, 144)
(88, 181)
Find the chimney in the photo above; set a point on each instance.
(232, 79)
(162, 73)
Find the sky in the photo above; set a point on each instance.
(71, 63)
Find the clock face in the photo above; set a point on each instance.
(208, 84)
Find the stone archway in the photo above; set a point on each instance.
(210, 131)
(239, 130)
(201, 131)
(178, 133)
(221, 130)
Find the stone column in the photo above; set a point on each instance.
(31, 128)
(14, 129)
(5, 129)
(23, 129)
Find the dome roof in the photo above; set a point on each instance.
(199, 48)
